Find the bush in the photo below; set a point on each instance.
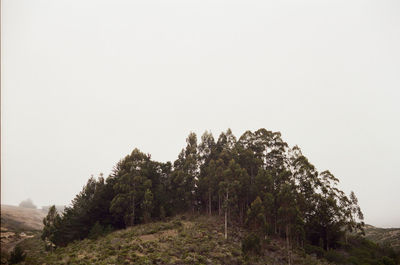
(388, 261)
(311, 249)
(251, 243)
(335, 256)
(96, 231)
(17, 255)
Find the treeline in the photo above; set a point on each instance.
(256, 181)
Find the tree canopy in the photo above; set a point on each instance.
(256, 181)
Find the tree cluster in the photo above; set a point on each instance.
(28, 203)
(256, 181)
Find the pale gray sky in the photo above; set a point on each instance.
(84, 82)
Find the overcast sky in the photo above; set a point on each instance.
(85, 82)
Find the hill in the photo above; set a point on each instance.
(21, 219)
(180, 240)
(384, 236)
(18, 224)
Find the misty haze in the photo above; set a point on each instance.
(200, 132)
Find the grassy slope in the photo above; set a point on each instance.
(18, 224)
(388, 236)
(14, 218)
(181, 240)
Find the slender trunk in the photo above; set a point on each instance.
(209, 202)
(133, 211)
(241, 213)
(327, 242)
(325, 239)
(251, 176)
(287, 243)
(219, 204)
(226, 215)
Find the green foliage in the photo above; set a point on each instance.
(256, 216)
(97, 230)
(251, 244)
(17, 255)
(51, 225)
(147, 205)
(256, 181)
(335, 256)
(311, 249)
(387, 261)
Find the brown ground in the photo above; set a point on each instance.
(14, 217)
(17, 224)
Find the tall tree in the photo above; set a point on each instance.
(130, 187)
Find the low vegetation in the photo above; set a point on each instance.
(180, 240)
(198, 239)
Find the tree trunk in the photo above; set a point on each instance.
(209, 202)
(226, 215)
(219, 204)
(287, 243)
(241, 213)
(133, 211)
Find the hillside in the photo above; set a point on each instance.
(384, 236)
(18, 218)
(17, 224)
(181, 240)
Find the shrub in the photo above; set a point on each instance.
(17, 255)
(251, 243)
(335, 256)
(311, 249)
(96, 231)
(388, 261)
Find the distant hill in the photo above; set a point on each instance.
(384, 236)
(18, 224)
(21, 219)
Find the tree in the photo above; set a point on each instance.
(255, 216)
(130, 186)
(207, 183)
(51, 223)
(17, 255)
(28, 203)
(206, 177)
(256, 180)
(185, 174)
(288, 212)
(228, 187)
(147, 205)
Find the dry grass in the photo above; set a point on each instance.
(19, 218)
(17, 224)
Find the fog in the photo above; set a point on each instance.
(85, 82)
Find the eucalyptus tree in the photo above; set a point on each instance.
(206, 177)
(186, 172)
(229, 187)
(130, 186)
